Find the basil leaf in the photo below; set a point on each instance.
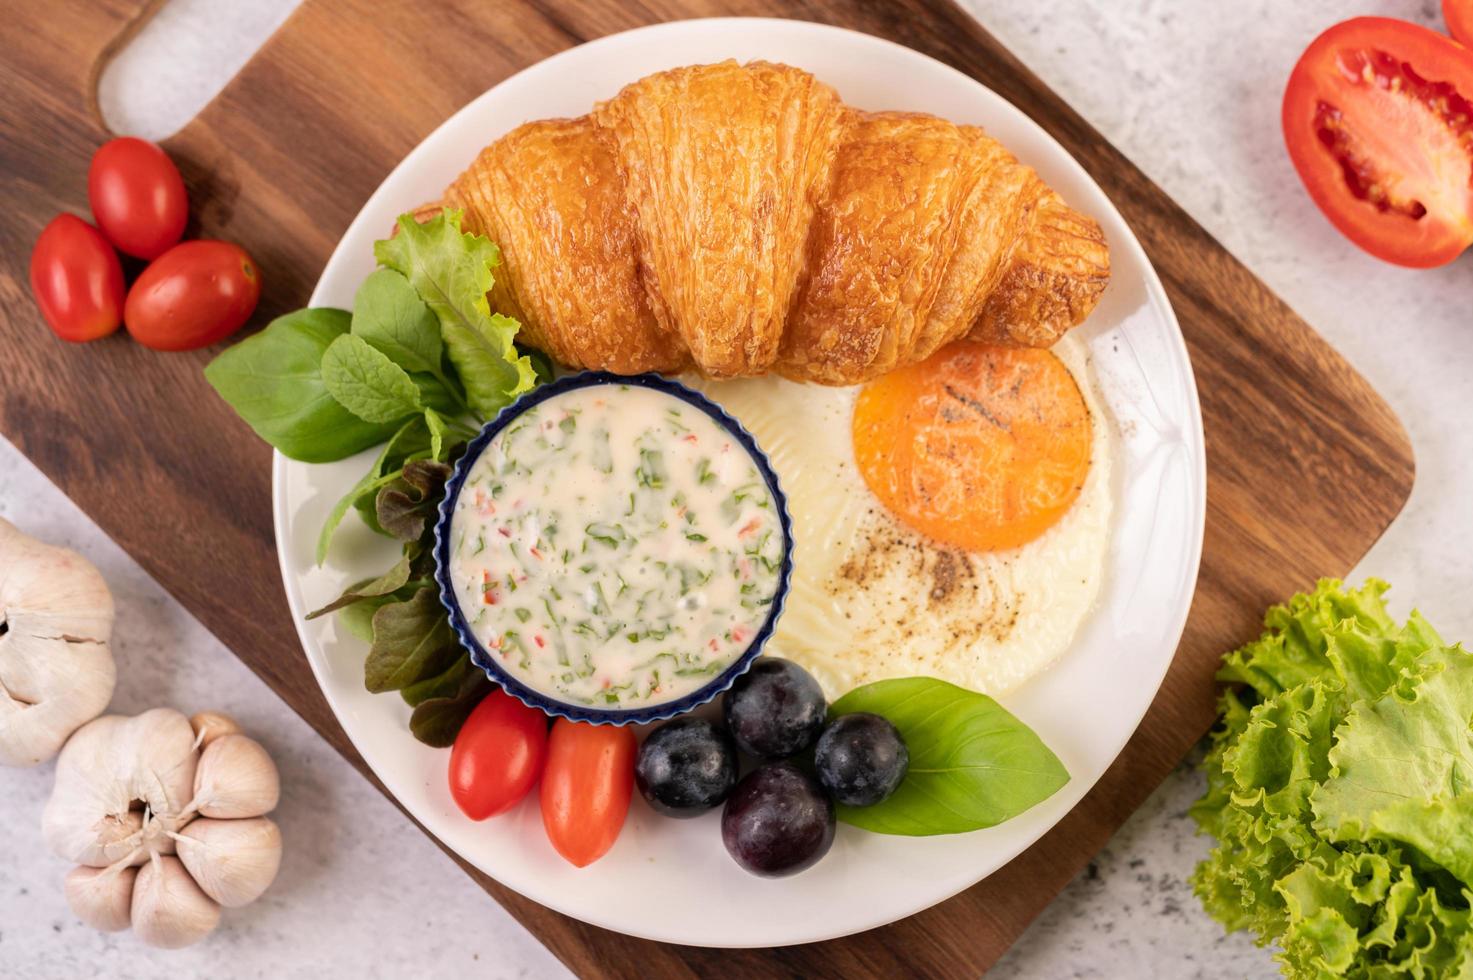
(436, 722)
(451, 272)
(273, 380)
(412, 640)
(389, 315)
(367, 383)
(972, 764)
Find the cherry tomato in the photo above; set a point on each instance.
(137, 196)
(77, 280)
(586, 788)
(1458, 14)
(193, 295)
(1379, 124)
(497, 756)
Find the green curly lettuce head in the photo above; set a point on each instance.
(1340, 792)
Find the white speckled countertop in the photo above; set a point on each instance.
(1189, 89)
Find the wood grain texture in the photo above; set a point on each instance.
(1306, 464)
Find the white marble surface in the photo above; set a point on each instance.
(1188, 89)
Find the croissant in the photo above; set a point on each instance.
(740, 219)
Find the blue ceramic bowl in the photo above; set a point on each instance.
(536, 699)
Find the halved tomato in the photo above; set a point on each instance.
(1378, 120)
(1458, 15)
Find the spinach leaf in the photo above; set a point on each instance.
(367, 383)
(414, 441)
(972, 764)
(412, 640)
(451, 272)
(437, 721)
(274, 382)
(389, 315)
(440, 393)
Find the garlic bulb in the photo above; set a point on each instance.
(169, 910)
(101, 897)
(122, 784)
(131, 792)
(233, 861)
(235, 778)
(210, 725)
(56, 671)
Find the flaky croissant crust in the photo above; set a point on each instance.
(740, 219)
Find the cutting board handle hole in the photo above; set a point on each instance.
(175, 57)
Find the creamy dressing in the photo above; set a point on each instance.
(615, 547)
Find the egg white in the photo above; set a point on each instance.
(871, 598)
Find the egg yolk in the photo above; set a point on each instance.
(982, 448)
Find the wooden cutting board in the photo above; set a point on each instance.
(1306, 464)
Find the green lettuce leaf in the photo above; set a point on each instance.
(451, 272)
(1403, 768)
(1340, 792)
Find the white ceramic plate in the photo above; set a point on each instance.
(672, 880)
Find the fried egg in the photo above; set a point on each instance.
(950, 519)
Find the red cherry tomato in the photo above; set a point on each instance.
(77, 280)
(497, 756)
(1378, 117)
(1458, 14)
(193, 295)
(137, 196)
(586, 788)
